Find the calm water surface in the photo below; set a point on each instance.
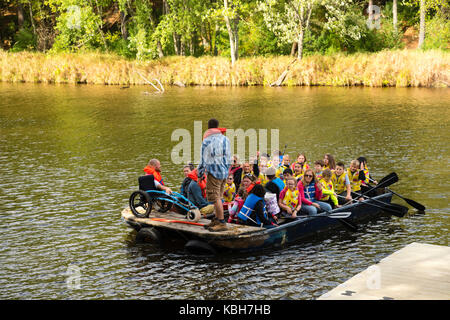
(70, 157)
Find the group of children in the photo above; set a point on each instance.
(292, 189)
(261, 191)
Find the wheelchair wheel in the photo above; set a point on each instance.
(193, 215)
(140, 204)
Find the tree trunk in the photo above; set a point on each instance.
(20, 16)
(300, 44)
(394, 14)
(32, 19)
(232, 27)
(176, 44)
(123, 25)
(214, 42)
(203, 35)
(293, 48)
(422, 23)
(370, 9)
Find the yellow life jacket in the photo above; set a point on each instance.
(291, 198)
(229, 192)
(366, 173)
(279, 172)
(299, 176)
(354, 180)
(328, 191)
(263, 179)
(338, 182)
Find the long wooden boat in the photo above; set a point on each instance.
(247, 238)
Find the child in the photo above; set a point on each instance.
(298, 171)
(301, 159)
(363, 166)
(287, 173)
(328, 194)
(318, 167)
(234, 208)
(355, 175)
(290, 201)
(341, 183)
(329, 162)
(230, 189)
(272, 206)
(283, 166)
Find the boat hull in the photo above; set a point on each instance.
(258, 238)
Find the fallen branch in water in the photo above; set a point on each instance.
(281, 78)
(149, 82)
(160, 84)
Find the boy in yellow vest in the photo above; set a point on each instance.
(356, 177)
(341, 183)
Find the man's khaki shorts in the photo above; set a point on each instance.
(214, 188)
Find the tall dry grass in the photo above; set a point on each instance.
(401, 68)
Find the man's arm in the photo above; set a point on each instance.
(202, 166)
(163, 188)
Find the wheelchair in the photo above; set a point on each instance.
(148, 197)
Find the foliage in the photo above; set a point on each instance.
(146, 29)
(438, 33)
(24, 39)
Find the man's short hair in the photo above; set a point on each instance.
(213, 123)
(153, 162)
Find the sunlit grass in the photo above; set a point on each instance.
(401, 68)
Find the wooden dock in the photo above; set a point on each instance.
(416, 272)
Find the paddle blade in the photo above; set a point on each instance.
(388, 177)
(415, 204)
(340, 215)
(396, 210)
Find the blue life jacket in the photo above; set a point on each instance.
(279, 183)
(248, 209)
(310, 191)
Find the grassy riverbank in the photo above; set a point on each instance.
(399, 68)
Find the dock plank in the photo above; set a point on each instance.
(416, 272)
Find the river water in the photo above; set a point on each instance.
(70, 157)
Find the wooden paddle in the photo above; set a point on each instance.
(412, 203)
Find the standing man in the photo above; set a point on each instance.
(216, 161)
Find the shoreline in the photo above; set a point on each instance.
(389, 68)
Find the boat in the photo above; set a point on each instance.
(248, 238)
